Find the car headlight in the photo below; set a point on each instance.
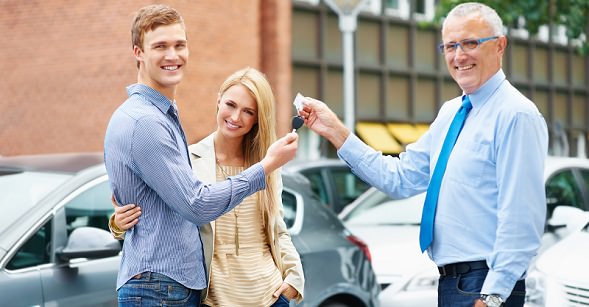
(423, 281)
(535, 289)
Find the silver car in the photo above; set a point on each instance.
(55, 249)
(391, 229)
(332, 180)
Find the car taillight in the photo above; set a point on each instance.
(363, 246)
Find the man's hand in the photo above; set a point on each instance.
(479, 303)
(287, 290)
(319, 118)
(126, 216)
(280, 152)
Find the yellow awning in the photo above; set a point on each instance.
(405, 133)
(378, 137)
(422, 129)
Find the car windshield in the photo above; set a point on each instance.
(379, 209)
(20, 191)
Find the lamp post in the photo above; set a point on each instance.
(347, 11)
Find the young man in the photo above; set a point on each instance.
(491, 176)
(147, 161)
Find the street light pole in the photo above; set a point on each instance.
(348, 26)
(347, 11)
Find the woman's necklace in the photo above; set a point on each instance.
(235, 209)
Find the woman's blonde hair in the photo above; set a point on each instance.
(263, 133)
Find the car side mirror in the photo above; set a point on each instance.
(571, 218)
(89, 242)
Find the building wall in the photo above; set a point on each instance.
(401, 79)
(66, 64)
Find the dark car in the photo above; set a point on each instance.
(55, 248)
(332, 180)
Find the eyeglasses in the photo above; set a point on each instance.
(466, 45)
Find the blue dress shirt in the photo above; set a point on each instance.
(147, 162)
(492, 203)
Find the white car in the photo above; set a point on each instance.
(391, 230)
(560, 276)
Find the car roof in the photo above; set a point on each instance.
(554, 163)
(62, 162)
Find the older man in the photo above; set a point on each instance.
(481, 163)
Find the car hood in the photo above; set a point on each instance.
(563, 260)
(394, 249)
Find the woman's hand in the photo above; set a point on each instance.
(287, 290)
(126, 216)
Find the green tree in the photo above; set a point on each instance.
(573, 14)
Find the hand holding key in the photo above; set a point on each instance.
(297, 122)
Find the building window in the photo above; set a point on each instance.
(540, 59)
(367, 106)
(397, 104)
(397, 8)
(424, 10)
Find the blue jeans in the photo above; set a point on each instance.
(154, 289)
(282, 301)
(465, 289)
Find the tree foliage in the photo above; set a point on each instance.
(573, 14)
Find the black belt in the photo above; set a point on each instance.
(458, 268)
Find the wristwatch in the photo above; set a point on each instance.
(492, 300)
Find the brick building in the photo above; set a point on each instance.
(66, 64)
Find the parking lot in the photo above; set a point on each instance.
(55, 248)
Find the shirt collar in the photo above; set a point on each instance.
(484, 92)
(153, 96)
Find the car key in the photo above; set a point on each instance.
(297, 122)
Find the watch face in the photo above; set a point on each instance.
(493, 300)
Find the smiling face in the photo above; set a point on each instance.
(471, 69)
(238, 112)
(162, 58)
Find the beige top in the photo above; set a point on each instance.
(243, 272)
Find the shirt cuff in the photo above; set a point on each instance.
(255, 176)
(352, 149)
(500, 284)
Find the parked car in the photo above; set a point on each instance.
(332, 180)
(560, 275)
(391, 230)
(55, 248)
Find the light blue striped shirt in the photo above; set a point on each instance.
(492, 203)
(147, 161)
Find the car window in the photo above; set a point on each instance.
(379, 209)
(585, 175)
(562, 190)
(20, 192)
(348, 186)
(317, 185)
(90, 208)
(35, 251)
(289, 203)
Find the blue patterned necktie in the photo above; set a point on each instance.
(426, 232)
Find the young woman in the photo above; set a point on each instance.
(249, 254)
